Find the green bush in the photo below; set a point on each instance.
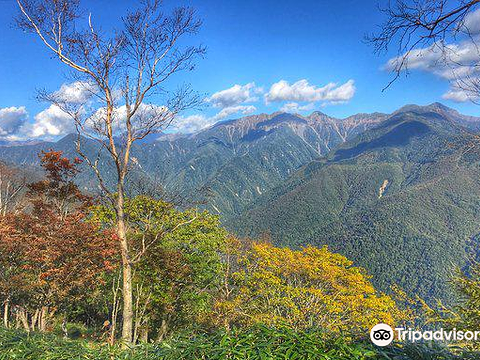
(265, 343)
(259, 343)
(425, 351)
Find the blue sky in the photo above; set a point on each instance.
(252, 44)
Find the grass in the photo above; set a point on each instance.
(254, 344)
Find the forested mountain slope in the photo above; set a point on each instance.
(227, 165)
(402, 200)
(399, 194)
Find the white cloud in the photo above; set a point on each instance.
(193, 123)
(302, 91)
(143, 113)
(235, 95)
(243, 109)
(78, 92)
(342, 93)
(457, 62)
(471, 24)
(294, 107)
(456, 95)
(52, 121)
(464, 90)
(12, 119)
(447, 61)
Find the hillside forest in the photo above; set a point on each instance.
(274, 235)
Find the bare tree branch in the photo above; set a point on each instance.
(121, 71)
(420, 27)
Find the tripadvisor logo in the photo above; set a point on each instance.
(381, 335)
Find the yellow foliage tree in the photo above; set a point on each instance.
(311, 287)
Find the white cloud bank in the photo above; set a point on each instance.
(230, 101)
(302, 91)
(192, 123)
(235, 95)
(471, 23)
(53, 121)
(294, 107)
(457, 95)
(243, 109)
(78, 92)
(235, 101)
(11, 120)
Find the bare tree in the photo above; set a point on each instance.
(429, 28)
(117, 72)
(12, 189)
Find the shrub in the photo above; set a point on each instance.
(256, 343)
(425, 351)
(259, 343)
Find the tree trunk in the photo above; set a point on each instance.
(64, 328)
(127, 328)
(43, 319)
(115, 308)
(34, 319)
(5, 313)
(23, 317)
(162, 332)
(144, 336)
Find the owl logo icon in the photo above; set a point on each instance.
(381, 335)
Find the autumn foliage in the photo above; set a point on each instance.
(59, 261)
(307, 288)
(52, 256)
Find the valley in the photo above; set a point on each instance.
(359, 185)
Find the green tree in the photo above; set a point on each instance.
(465, 314)
(177, 267)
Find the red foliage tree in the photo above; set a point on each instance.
(51, 256)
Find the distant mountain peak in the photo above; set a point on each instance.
(435, 107)
(318, 116)
(445, 113)
(318, 113)
(72, 137)
(440, 105)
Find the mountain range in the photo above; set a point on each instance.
(227, 165)
(401, 199)
(398, 193)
